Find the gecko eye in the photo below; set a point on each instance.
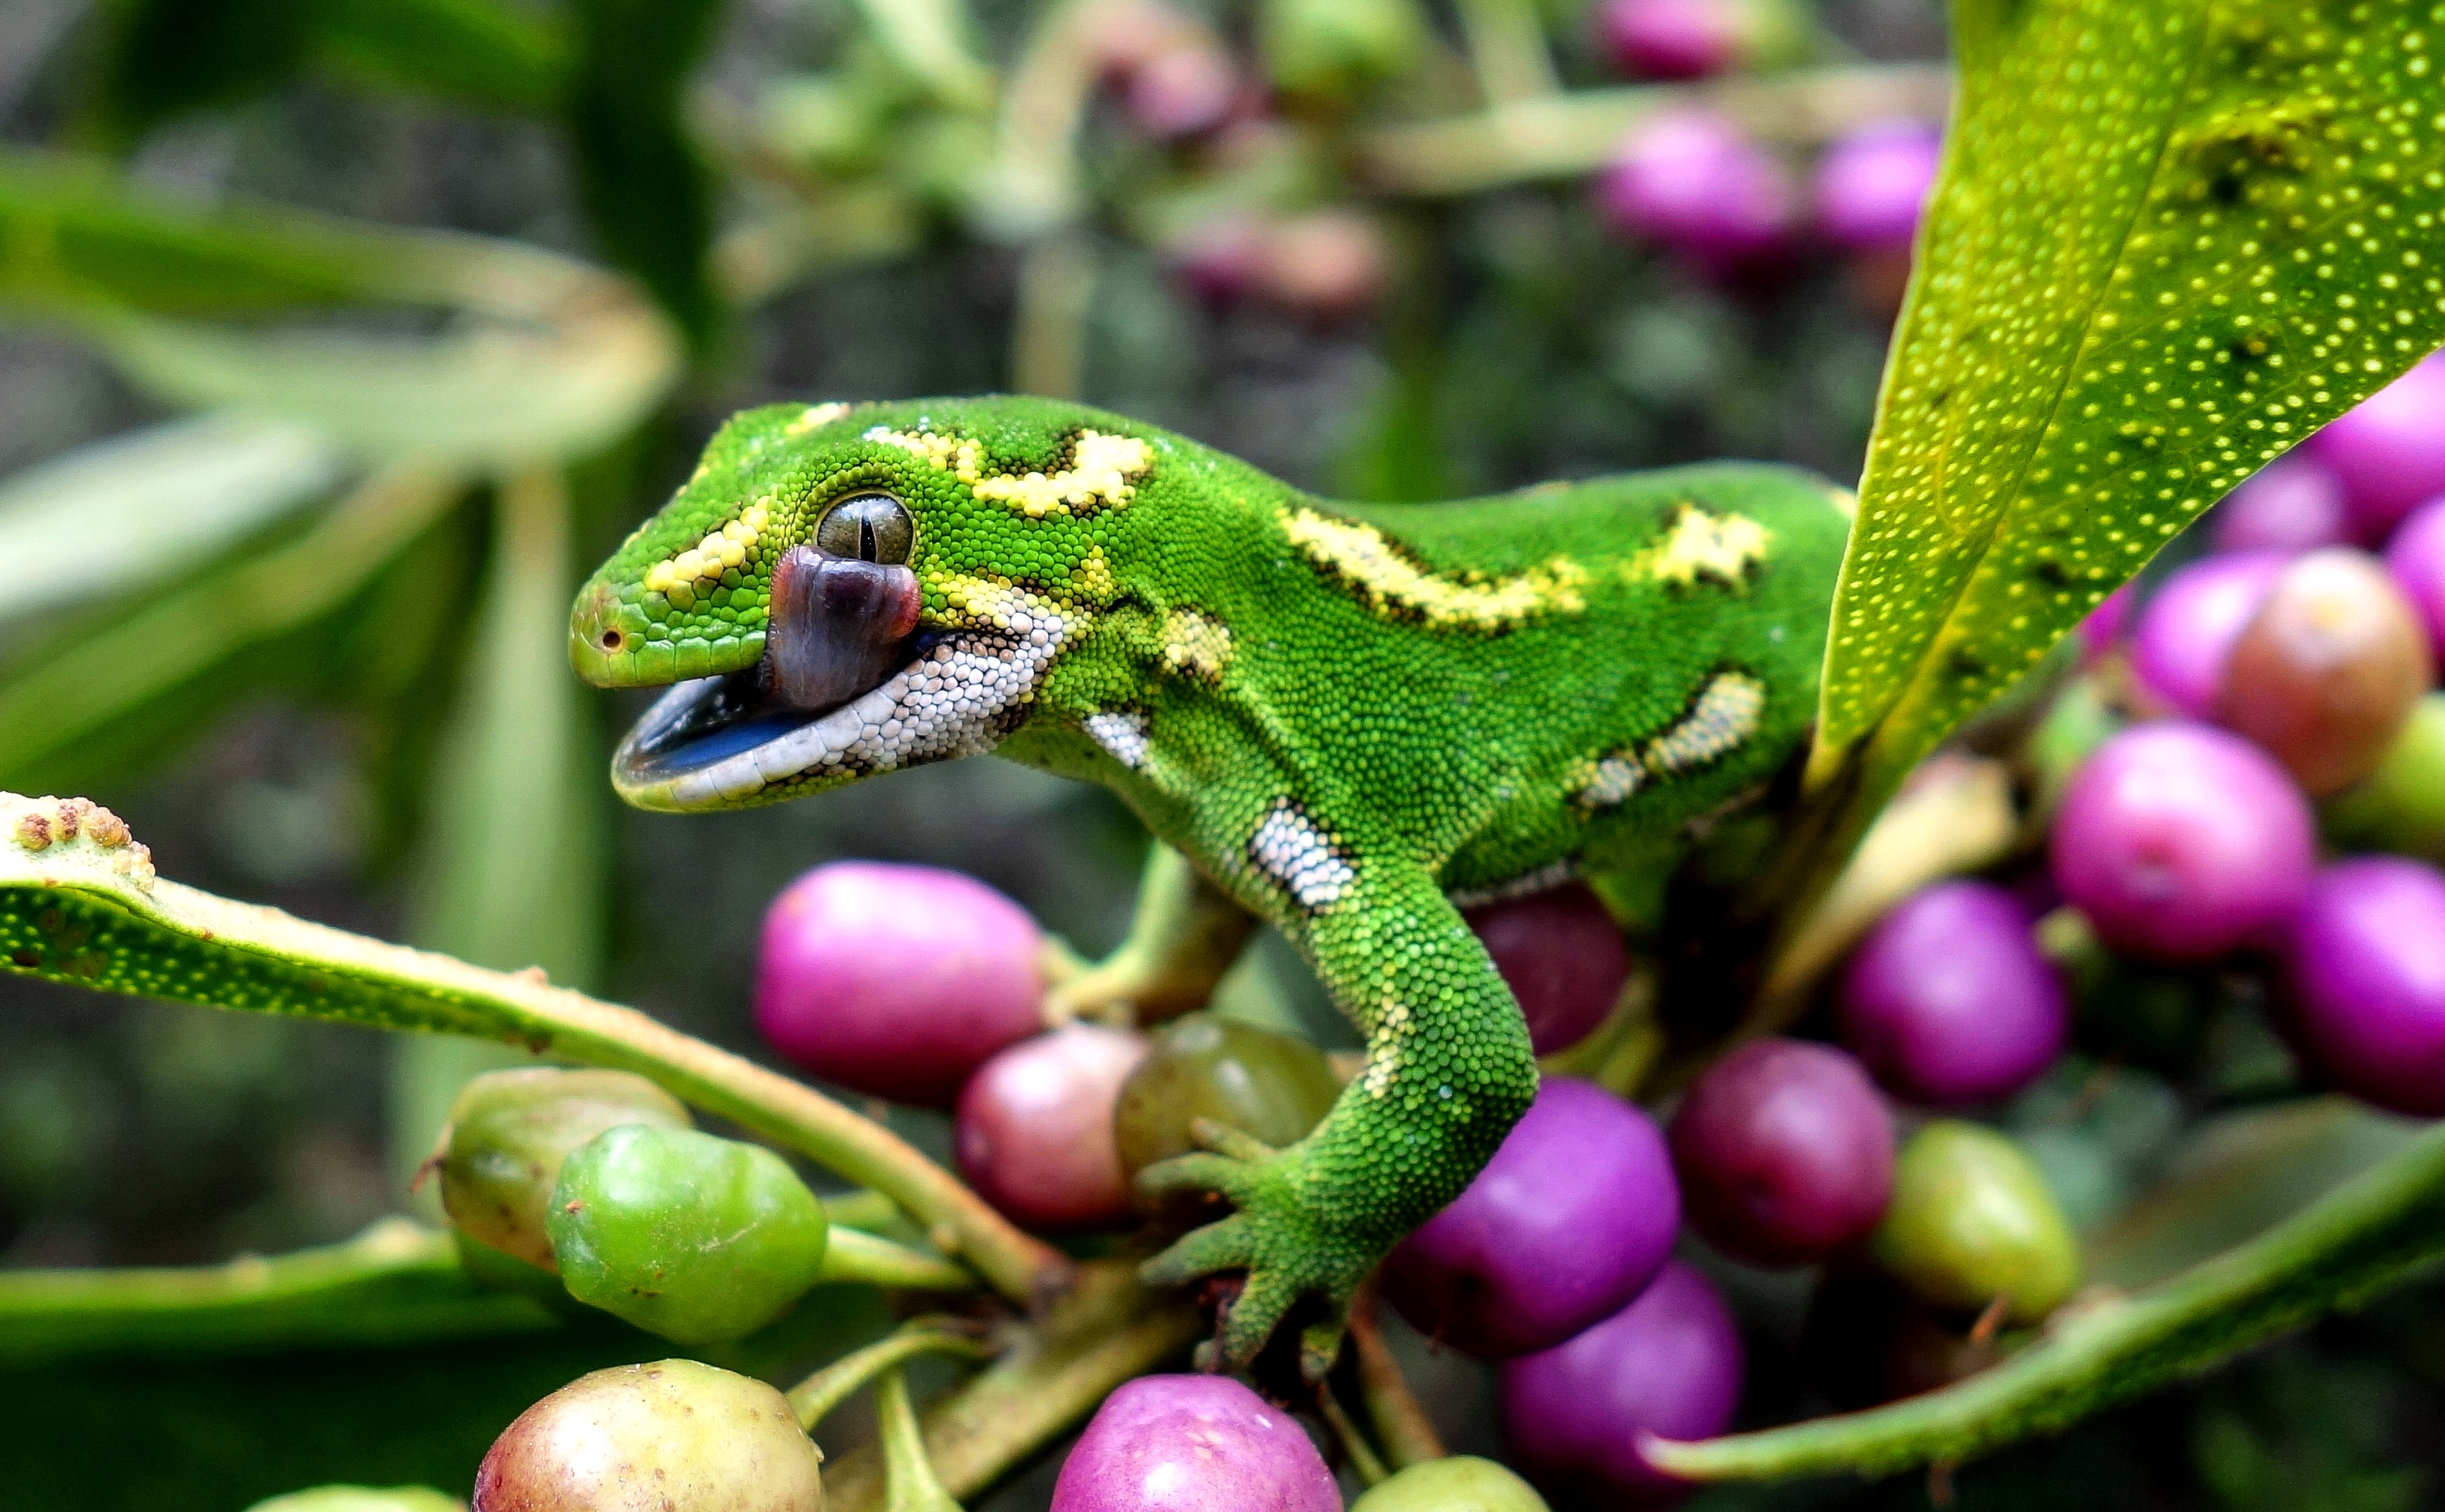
(866, 528)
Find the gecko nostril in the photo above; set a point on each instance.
(611, 641)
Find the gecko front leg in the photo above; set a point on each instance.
(1448, 1072)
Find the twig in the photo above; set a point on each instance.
(815, 1398)
(1567, 135)
(1408, 1436)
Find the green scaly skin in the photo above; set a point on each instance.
(1346, 716)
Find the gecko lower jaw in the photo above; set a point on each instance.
(705, 740)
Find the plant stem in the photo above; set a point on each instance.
(851, 1255)
(815, 1398)
(2347, 1248)
(395, 1282)
(1408, 1436)
(1106, 1330)
(1563, 136)
(1363, 1457)
(910, 1483)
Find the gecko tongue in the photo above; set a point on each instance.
(837, 626)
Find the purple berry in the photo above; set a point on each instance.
(2187, 628)
(1672, 39)
(1033, 1132)
(1872, 184)
(1693, 182)
(1668, 1364)
(1565, 1224)
(2294, 504)
(2366, 967)
(1785, 1153)
(896, 980)
(1193, 1443)
(1328, 264)
(2389, 450)
(1562, 957)
(1947, 1001)
(1220, 261)
(2181, 841)
(2415, 556)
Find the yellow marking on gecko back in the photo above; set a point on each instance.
(1720, 720)
(1722, 547)
(1391, 584)
(694, 572)
(814, 417)
(1098, 474)
(1195, 645)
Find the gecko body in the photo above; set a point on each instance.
(1351, 719)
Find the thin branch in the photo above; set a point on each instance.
(1566, 136)
(815, 1398)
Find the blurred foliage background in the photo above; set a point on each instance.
(338, 336)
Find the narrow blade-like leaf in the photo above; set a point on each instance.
(139, 508)
(81, 906)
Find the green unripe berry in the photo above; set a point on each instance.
(509, 1131)
(1972, 1220)
(362, 1499)
(696, 1238)
(1461, 1483)
(674, 1436)
(1270, 1086)
(2402, 807)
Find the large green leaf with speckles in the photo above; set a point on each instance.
(2170, 238)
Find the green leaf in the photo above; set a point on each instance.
(154, 649)
(2350, 1245)
(646, 191)
(480, 52)
(930, 39)
(81, 906)
(2170, 238)
(551, 360)
(163, 58)
(395, 1283)
(142, 506)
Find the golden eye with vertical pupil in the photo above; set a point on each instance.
(866, 528)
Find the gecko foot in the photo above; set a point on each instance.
(1280, 1237)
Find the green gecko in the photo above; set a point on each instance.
(1349, 718)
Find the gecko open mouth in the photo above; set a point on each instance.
(849, 684)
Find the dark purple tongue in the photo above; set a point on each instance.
(837, 626)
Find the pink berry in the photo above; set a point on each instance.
(1947, 1001)
(1871, 185)
(1033, 1132)
(1562, 957)
(1670, 1364)
(1182, 91)
(2366, 969)
(2294, 504)
(1193, 1443)
(1784, 1151)
(2415, 556)
(2389, 450)
(2328, 672)
(1565, 1225)
(1674, 39)
(896, 980)
(1694, 183)
(2181, 842)
(2187, 629)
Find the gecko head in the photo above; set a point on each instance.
(837, 591)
